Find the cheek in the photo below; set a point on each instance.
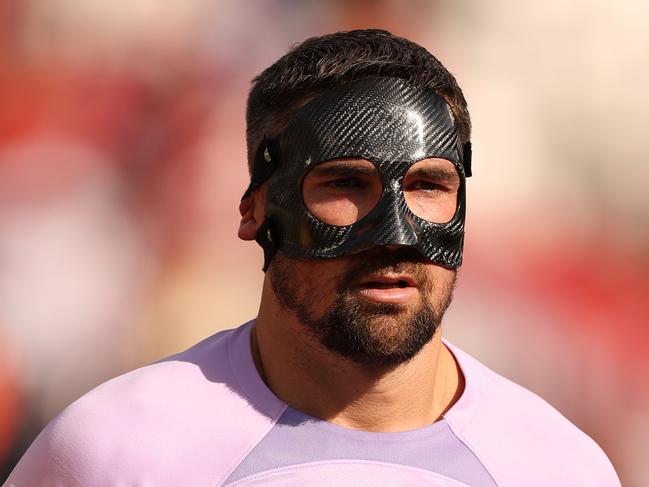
(444, 281)
(438, 279)
(312, 284)
(322, 276)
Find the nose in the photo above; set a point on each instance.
(395, 229)
(394, 246)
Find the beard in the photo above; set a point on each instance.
(366, 332)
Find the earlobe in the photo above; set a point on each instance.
(250, 221)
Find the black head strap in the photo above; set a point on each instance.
(466, 158)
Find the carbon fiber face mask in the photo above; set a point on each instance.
(382, 120)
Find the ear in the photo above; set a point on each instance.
(252, 215)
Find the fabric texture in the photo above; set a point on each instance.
(204, 417)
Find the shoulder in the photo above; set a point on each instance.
(519, 436)
(163, 424)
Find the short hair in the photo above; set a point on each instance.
(331, 60)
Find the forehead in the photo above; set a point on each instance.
(379, 119)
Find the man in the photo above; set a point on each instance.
(359, 152)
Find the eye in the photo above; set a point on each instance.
(341, 192)
(427, 186)
(430, 188)
(346, 183)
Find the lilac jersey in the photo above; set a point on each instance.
(204, 417)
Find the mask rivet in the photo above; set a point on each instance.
(266, 155)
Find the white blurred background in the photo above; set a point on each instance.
(122, 161)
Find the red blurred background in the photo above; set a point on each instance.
(122, 161)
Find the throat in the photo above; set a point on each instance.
(411, 396)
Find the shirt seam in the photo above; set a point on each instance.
(256, 439)
(487, 466)
(350, 461)
(461, 407)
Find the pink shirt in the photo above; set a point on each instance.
(204, 417)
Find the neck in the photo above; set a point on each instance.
(320, 383)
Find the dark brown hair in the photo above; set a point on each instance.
(321, 62)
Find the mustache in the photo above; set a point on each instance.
(382, 259)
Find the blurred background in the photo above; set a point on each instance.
(122, 161)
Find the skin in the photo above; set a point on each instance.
(363, 395)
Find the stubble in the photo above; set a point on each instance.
(381, 334)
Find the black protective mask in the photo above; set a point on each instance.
(385, 121)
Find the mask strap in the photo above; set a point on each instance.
(466, 158)
(266, 240)
(264, 164)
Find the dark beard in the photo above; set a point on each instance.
(367, 333)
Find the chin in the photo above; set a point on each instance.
(375, 333)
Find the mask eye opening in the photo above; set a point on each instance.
(341, 192)
(432, 190)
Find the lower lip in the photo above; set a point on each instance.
(395, 295)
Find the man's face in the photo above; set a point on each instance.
(380, 305)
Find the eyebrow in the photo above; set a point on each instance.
(344, 169)
(436, 173)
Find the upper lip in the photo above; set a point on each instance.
(389, 278)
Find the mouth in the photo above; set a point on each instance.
(387, 281)
(387, 288)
